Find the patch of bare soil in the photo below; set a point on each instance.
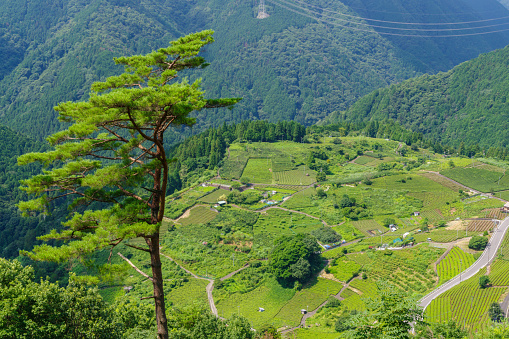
(330, 277)
(185, 215)
(457, 225)
(463, 244)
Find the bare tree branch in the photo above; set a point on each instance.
(136, 268)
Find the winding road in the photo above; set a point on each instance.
(487, 257)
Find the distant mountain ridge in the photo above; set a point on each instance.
(469, 104)
(286, 67)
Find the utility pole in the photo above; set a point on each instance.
(461, 267)
(262, 14)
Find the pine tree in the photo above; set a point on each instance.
(113, 153)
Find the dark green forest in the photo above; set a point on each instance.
(286, 67)
(465, 106)
(18, 232)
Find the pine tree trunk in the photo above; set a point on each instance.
(157, 275)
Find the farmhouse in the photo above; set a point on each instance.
(505, 208)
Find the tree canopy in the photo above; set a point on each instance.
(30, 309)
(389, 315)
(294, 258)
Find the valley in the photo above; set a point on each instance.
(374, 215)
(281, 169)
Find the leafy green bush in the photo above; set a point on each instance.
(484, 281)
(478, 243)
(326, 235)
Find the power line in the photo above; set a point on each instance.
(392, 28)
(427, 14)
(400, 22)
(384, 33)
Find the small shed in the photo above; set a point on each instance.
(406, 235)
(221, 203)
(261, 309)
(393, 227)
(303, 311)
(416, 214)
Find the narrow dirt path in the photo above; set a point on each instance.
(210, 286)
(283, 209)
(460, 184)
(312, 313)
(228, 276)
(187, 213)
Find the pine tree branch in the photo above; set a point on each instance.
(132, 195)
(138, 248)
(138, 129)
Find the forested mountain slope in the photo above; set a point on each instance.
(17, 232)
(439, 54)
(467, 104)
(287, 66)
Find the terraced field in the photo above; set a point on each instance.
(199, 215)
(369, 227)
(300, 176)
(308, 298)
(409, 270)
(454, 263)
(363, 160)
(344, 270)
(442, 235)
(258, 171)
(443, 181)
(480, 225)
(495, 213)
(353, 301)
(213, 197)
(433, 215)
(499, 274)
(479, 178)
(466, 303)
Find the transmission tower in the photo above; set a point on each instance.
(261, 10)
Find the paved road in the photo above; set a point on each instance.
(487, 256)
(505, 306)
